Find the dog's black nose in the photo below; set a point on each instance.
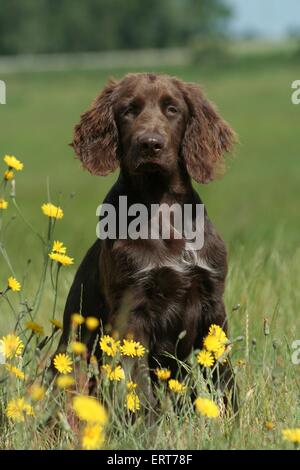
(151, 143)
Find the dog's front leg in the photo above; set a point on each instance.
(126, 323)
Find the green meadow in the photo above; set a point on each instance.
(254, 206)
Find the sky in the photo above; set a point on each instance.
(270, 18)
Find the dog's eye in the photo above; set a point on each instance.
(131, 110)
(172, 109)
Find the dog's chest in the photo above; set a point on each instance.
(155, 292)
(157, 273)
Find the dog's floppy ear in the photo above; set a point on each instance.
(207, 136)
(95, 138)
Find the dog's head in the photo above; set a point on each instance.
(151, 123)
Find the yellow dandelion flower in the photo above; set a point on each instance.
(3, 204)
(52, 211)
(35, 327)
(292, 435)
(56, 323)
(114, 374)
(8, 175)
(92, 323)
(92, 437)
(77, 319)
(77, 347)
(106, 369)
(63, 363)
(117, 374)
(89, 409)
(205, 358)
(240, 362)
(58, 247)
(64, 260)
(11, 346)
(13, 284)
(176, 386)
(17, 409)
(216, 330)
(220, 352)
(163, 374)
(212, 343)
(131, 386)
(109, 345)
(207, 407)
(65, 381)
(132, 348)
(132, 402)
(15, 371)
(269, 425)
(37, 392)
(13, 162)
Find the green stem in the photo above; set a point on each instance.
(26, 221)
(50, 343)
(40, 290)
(56, 290)
(27, 343)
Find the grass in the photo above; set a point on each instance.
(253, 206)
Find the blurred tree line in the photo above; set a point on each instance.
(37, 26)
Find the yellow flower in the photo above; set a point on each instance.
(13, 284)
(269, 425)
(64, 260)
(15, 371)
(132, 348)
(56, 323)
(77, 319)
(63, 363)
(109, 345)
(52, 211)
(131, 386)
(59, 247)
(92, 323)
(3, 204)
(90, 410)
(205, 358)
(240, 362)
(37, 392)
(292, 435)
(77, 347)
(212, 343)
(58, 254)
(13, 162)
(132, 402)
(35, 327)
(92, 437)
(216, 330)
(163, 374)
(207, 407)
(219, 352)
(215, 341)
(11, 346)
(65, 381)
(116, 374)
(17, 409)
(8, 175)
(176, 386)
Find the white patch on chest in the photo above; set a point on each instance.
(188, 259)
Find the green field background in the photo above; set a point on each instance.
(254, 206)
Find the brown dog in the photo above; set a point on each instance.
(161, 133)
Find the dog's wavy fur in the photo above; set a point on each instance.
(151, 289)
